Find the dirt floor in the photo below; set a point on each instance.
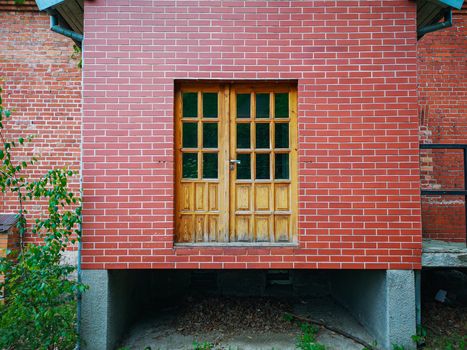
(231, 315)
(242, 324)
(445, 326)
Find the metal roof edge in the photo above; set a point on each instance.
(44, 5)
(457, 4)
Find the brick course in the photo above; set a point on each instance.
(355, 63)
(42, 84)
(442, 89)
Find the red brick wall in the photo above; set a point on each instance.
(442, 85)
(42, 84)
(355, 62)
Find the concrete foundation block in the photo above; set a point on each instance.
(383, 301)
(94, 311)
(401, 308)
(109, 306)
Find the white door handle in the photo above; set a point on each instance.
(232, 163)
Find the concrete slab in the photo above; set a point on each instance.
(444, 254)
(158, 332)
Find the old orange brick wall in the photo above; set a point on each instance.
(42, 84)
(442, 89)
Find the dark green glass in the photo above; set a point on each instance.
(190, 165)
(262, 105)
(281, 171)
(210, 135)
(243, 105)
(282, 135)
(210, 105)
(281, 105)
(210, 166)
(190, 135)
(243, 135)
(262, 135)
(190, 105)
(262, 166)
(244, 168)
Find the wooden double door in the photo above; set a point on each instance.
(236, 163)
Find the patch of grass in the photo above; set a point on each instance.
(202, 346)
(307, 340)
(397, 347)
(451, 342)
(420, 337)
(287, 317)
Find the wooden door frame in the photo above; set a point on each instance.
(227, 132)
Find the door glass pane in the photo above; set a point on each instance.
(209, 165)
(210, 105)
(210, 135)
(243, 135)
(262, 166)
(190, 165)
(282, 166)
(282, 135)
(262, 135)
(244, 168)
(243, 105)
(262, 105)
(190, 135)
(281, 105)
(190, 105)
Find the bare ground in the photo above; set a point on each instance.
(239, 324)
(446, 326)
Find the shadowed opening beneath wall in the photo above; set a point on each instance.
(236, 309)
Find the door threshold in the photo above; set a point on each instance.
(236, 245)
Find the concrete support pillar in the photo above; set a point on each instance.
(95, 311)
(109, 306)
(401, 308)
(383, 301)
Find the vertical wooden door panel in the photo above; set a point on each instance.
(262, 194)
(263, 228)
(213, 195)
(243, 198)
(282, 228)
(242, 228)
(282, 200)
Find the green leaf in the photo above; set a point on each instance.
(39, 312)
